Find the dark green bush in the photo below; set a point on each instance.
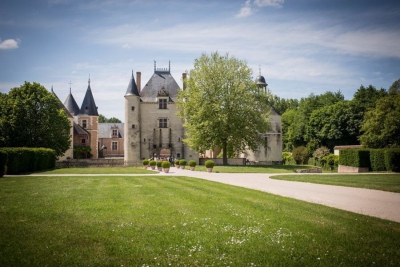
(300, 155)
(209, 163)
(23, 159)
(182, 162)
(355, 157)
(377, 157)
(392, 159)
(3, 161)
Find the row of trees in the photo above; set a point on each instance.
(371, 118)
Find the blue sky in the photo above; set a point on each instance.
(302, 46)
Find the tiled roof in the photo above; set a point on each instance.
(105, 130)
(88, 105)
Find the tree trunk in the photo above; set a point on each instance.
(224, 153)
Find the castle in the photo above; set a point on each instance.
(151, 127)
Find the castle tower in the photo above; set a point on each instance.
(132, 123)
(88, 119)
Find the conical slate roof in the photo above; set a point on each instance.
(161, 80)
(71, 105)
(88, 105)
(61, 104)
(132, 88)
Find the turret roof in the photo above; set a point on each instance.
(71, 105)
(88, 105)
(132, 88)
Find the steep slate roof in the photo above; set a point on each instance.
(71, 105)
(161, 79)
(88, 105)
(105, 129)
(79, 130)
(132, 88)
(61, 104)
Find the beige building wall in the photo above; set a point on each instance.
(132, 128)
(92, 127)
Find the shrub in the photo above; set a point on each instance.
(355, 157)
(82, 152)
(209, 164)
(330, 162)
(3, 161)
(166, 164)
(153, 163)
(287, 158)
(192, 163)
(300, 155)
(377, 158)
(176, 162)
(321, 152)
(182, 162)
(392, 159)
(145, 162)
(159, 163)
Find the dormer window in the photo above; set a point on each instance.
(162, 103)
(114, 132)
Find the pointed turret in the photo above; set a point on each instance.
(132, 88)
(71, 105)
(88, 105)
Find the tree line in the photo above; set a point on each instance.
(371, 118)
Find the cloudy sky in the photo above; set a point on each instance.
(301, 46)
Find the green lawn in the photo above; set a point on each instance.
(383, 181)
(141, 170)
(101, 170)
(177, 221)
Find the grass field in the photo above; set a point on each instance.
(141, 170)
(177, 221)
(385, 182)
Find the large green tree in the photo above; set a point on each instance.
(222, 106)
(103, 119)
(31, 116)
(381, 126)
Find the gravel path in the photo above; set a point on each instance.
(376, 203)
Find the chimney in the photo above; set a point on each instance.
(184, 75)
(138, 80)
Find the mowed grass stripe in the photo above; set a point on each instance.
(151, 221)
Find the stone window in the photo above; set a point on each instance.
(114, 132)
(133, 108)
(163, 123)
(162, 103)
(83, 141)
(114, 145)
(84, 124)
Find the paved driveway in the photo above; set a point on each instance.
(375, 203)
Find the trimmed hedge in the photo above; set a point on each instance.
(3, 161)
(355, 157)
(23, 159)
(392, 159)
(377, 158)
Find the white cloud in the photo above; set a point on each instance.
(273, 3)
(246, 10)
(8, 44)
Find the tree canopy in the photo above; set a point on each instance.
(31, 116)
(103, 119)
(222, 105)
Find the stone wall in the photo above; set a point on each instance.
(351, 169)
(314, 170)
